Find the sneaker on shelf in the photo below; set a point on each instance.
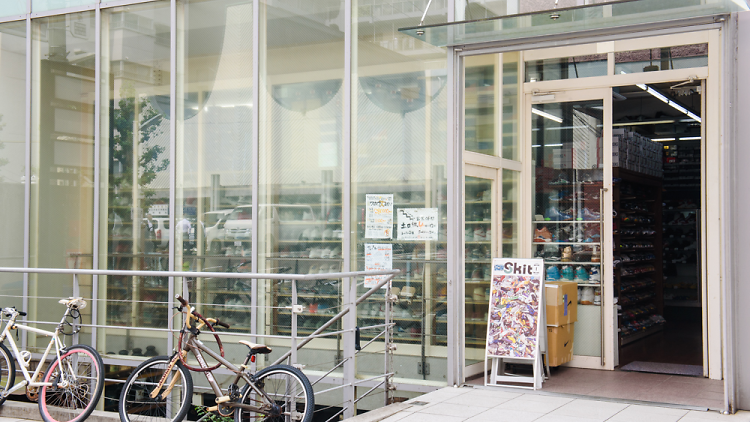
(553, 273)
(315, 234)
(567, 254)
(594, 275)
(542, 235)
(562, 179)
(316, 253)
(327, 234)
(567, 273)
(480, 234)
(587, 296)
(326, 253)
(557, 196)
(313, 269)
(582, 276)
(336, 252)
(553, 214)
(589, 215)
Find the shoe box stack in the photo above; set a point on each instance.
(635, 152)
(562, 313)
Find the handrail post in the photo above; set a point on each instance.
(350, 368)
(77, 293)
(293, 356)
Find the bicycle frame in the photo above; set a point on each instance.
(31, 380)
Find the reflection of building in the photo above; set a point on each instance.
(290, 112)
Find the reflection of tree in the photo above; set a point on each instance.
(148, 162)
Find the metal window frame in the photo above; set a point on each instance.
(27, 175)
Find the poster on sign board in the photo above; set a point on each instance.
(515, 298)
(379, 217)
(378, 256)
(418, 224)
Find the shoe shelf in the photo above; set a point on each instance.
(569, 243)
(638, 275)
(567, 222)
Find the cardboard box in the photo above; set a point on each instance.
(560, 344)
(562, 302)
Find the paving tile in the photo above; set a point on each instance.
(648, 414)
(505, 415)
(529, 402)
(426, 417)
(397, 417)
(590, 409)
(562, 418)
(449, 409)
(483, 398)
(696, 416)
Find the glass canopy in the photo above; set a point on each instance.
(566, 20)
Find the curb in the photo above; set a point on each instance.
(30, 411)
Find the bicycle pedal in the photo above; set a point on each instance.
(212, 409)
(223, 399)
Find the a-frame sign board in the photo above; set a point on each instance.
(515, 327)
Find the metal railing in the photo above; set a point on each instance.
(350, 331)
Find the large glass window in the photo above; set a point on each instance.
(214, 158)
(301, 127)
(399, 147)
(12, 157)
(45, 5)
(62, 154)
(12, 7)
(134, 207)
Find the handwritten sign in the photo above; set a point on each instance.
(378, 256)
(379, 217)
(515, 296)
(418, 224)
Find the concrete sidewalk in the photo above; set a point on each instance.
(486, 404)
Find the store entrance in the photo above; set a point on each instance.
(658, 228)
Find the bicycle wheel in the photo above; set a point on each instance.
(136, 404)
(7, 371)
(78, 378)
(288, 389)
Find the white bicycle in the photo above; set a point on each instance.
(72, 384)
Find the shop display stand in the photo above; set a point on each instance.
(681, 215)
(637, 233)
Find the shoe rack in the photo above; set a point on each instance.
(637, 236)
(681, 218)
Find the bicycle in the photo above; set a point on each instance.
(162, 387)
(73, 382)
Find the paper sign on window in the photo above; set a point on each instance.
(418, 224)
(379, 217)
(378, 256)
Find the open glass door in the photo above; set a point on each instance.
(572, 209)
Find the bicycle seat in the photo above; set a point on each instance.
(256, 348)
(73, 302)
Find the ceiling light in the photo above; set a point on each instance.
(672, 103)
(547, 115)
(691, 138)
(650, 122)
(663, 139)
(554, 145)
(694, 117)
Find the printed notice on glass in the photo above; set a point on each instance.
(418, 224)
(379, 217)
(378, 256)
(515, 297)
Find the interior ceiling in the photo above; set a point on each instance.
(631, 104)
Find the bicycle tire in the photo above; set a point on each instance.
(76, 398)
(137, 406)
(274, 381)
(7, 371)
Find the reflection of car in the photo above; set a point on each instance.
(161, 230)
(237, 226)
(213, 223)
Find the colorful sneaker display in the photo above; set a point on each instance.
(588, 215)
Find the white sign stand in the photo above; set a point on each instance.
(516, 329)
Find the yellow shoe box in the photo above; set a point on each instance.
(562, 302)
(560, 344)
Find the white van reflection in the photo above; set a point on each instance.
(285, 223)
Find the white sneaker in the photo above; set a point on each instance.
(336, 252)
(327, 234)
(325, 253)
(313, 269)
(315, 234)
(316, 253)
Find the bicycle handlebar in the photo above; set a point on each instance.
(214, 321)
(221, 324)
(182, 301)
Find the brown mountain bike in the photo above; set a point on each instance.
(162, 387)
